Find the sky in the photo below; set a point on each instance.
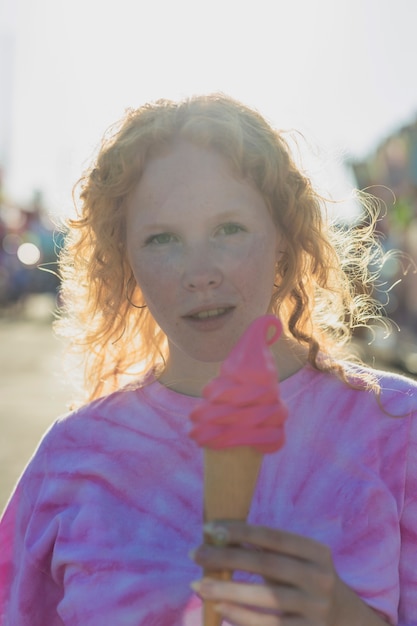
(339, 71)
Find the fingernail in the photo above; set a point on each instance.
(196, 586)
(203, 587)
(218, 534)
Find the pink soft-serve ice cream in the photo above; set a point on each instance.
(239, 419)
(242, 406)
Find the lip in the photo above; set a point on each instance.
(208, 307)
(209, 323)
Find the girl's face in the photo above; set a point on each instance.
(203, 248)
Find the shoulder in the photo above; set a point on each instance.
(329, 407)
(95, 420)
(125, 419)
(396, 393)
(90, 443)
(384, 391)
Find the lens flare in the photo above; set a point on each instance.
(28, 254)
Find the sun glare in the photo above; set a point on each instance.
(28, 254)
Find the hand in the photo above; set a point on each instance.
(300, 588)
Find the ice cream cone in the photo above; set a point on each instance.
(239, 419)
(230, 477)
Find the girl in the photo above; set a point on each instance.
(194, 222)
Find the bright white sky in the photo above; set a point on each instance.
(341, 71)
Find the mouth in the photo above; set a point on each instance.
(206, 314)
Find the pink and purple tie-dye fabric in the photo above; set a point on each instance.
(100, 525)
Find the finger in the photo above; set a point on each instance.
(267, 597)
(290, 544)
(271, 566)
(241, 616)
(263, 596)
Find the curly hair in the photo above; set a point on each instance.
(322, 277)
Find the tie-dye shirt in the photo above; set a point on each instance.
(100, 525)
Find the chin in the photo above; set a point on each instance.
(218, 353)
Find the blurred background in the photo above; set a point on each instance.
(342, 73)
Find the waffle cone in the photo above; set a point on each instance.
(230, 477)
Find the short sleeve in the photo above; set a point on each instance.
(408, 527)
(28, 594)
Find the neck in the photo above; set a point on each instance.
(189, 378)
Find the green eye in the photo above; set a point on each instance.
(231, 229)
(161, 238)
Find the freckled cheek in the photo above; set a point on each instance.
(255, 270)
(156, 278)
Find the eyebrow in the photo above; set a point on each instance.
(222, 216)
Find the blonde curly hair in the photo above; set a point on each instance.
(323, 281)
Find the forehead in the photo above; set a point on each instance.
(185, 171)
(183, 159)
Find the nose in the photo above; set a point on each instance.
(201, 272)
